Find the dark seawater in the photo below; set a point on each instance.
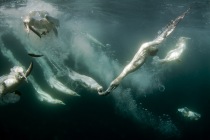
(130, 114)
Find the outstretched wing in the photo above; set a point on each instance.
(172, 25)
(34, 30)
(53, 20)
(55, 31)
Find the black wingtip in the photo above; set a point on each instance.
(35, 55)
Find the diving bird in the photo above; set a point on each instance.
(41, 23)
(187, 113)
(85, 81)
(145, 50)
(173, 55)
(10, 82)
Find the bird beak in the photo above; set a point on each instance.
(24, 76)
(28, 71)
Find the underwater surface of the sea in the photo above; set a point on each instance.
(98, 38)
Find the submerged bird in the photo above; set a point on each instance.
(176, 53)
(189, 114)
(173, 55)
(10, 82)
(145, 50)
(85, 81)
(41, 23)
